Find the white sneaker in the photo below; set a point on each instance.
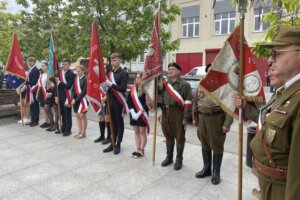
(27, 121)
(20, 121)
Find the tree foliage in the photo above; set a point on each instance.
(8, 22)
(282, 12)
(124, 26)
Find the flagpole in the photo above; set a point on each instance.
(156, 98)
(242, 10)
(21, 106)
(112, 133)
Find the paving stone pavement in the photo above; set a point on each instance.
(35, 164)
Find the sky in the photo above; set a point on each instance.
(12, 6)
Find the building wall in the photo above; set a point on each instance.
(207, 43)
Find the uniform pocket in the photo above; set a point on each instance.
(277, 120)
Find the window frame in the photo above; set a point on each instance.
(229, 19)
(190, 21)
(260, 16)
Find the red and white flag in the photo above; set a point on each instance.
(153, 61)
(221, 81)
(96, 73)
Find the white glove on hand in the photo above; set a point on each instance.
(108, 82)
(135, 115)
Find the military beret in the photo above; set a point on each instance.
(173, 64)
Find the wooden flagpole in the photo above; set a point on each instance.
(112, 133)
(242, 10)
(156, 97)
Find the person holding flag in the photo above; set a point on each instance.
(213, 124)
(176, 98)
(276, 146)
(117, 85)
(79, 101)
(65, 84)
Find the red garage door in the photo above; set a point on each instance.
(188, 61)
(211, 55)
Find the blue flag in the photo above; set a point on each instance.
(52, 62)
(14, 81)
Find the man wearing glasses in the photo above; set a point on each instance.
(276, 146)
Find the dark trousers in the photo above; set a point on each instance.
(117, 119)
(66, 115)
(35, 111)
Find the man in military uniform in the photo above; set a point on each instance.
(213, 124)
(276, 147)
(176, 100)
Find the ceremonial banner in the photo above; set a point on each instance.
(15, 63)
(96, 73)
(153, 61)
(52, 63)
(221, 81)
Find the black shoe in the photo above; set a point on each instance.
(117, 150)
(178, 164)
(169, 159)
(134, 154)
(99, 139)
(108, 149)
(106, 141)
(206, 171)
(58, 132)
(34, 124)
(52, 128)
(138, 155)
(45, 125)
(217, 161)
(179, 158)
(66, 133)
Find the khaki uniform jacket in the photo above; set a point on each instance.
(184, 89)
(282, 132)
(201, 103)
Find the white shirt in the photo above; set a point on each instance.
(291, 81)
(44, 79)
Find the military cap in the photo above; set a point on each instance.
(286, 35)
(173, 64)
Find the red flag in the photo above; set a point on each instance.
(221, 81)
(96, 73)
(153, 62)
(15, 63)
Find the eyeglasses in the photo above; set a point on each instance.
(274, 53)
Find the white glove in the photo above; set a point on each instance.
(105, 86)
(135, 115)
(108, 82)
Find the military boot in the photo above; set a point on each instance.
(169, 158)
(179, 158)
(206, 171)
(217, 161)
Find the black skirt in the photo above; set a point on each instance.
(138, 122)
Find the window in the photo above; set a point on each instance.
(142, 58)
(190, 27)
(224, 23)
(190, 21)
(259, 25)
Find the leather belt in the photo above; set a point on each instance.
(273, 173)
(172, 106)
(211, 113)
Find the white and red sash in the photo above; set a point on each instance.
(62, 78)
(83, 106)
(118, 94)
(138, 106)
(176, 96)
(42, 86)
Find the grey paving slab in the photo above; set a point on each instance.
(38, 173)
(17, 163)
(24, 139)
(4, 144)
(73, 161)
(9, 185)
(53, 152)
(26, 194)
(62, 186)
(35, 146)
(13, 151)
(96, 192)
